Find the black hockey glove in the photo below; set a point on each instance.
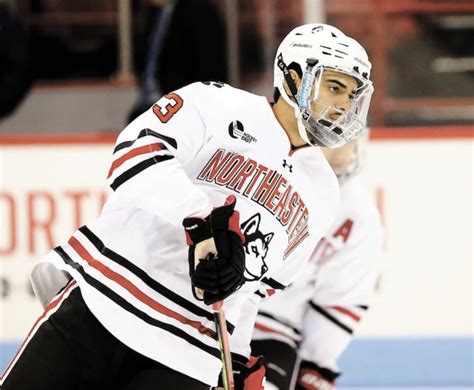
(250, 376)
(217, 272)
(247, 376)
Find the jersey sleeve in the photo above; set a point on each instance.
(148, 159)
(282, 305)
(343, 289)
(240, 340)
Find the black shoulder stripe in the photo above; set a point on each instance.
(144, 133)
(264, 314)
(132, 309)
(150, 282)
(135, 170)
(363, 307)
(273, 283)
(330, 317)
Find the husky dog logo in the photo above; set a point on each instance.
(256, 248)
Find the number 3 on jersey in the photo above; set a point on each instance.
(167, 106)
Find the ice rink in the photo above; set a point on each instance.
(396, 364)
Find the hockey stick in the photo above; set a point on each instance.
(224, 346)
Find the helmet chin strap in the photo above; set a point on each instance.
(301, 128)
(286, 74)
(299, 111)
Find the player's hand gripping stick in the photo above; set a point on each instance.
(218, 233)
(218, 241)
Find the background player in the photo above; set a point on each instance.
(314, 319)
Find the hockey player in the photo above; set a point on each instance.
(127, 297)
(314, 319)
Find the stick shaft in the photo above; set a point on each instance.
(224, 346)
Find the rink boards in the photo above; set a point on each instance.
(419, 330)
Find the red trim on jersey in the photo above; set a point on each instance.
(296, 148)
(137, 293)
(234, 225)
(267, 329)
(270, 291)
(347, 312)
(37, 324)
(133, 153)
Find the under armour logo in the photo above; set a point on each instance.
(290, 167)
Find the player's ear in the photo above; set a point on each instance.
(296, 79)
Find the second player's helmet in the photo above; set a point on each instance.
(317, 48)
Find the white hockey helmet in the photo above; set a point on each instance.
(316, 48)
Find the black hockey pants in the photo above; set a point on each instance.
(68, 349)
(280, 362)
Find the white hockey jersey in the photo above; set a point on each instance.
(181, 158)
(319, 311)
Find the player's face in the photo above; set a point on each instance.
(336, 90)
(341, 158)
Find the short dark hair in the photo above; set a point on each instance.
(293, 66)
